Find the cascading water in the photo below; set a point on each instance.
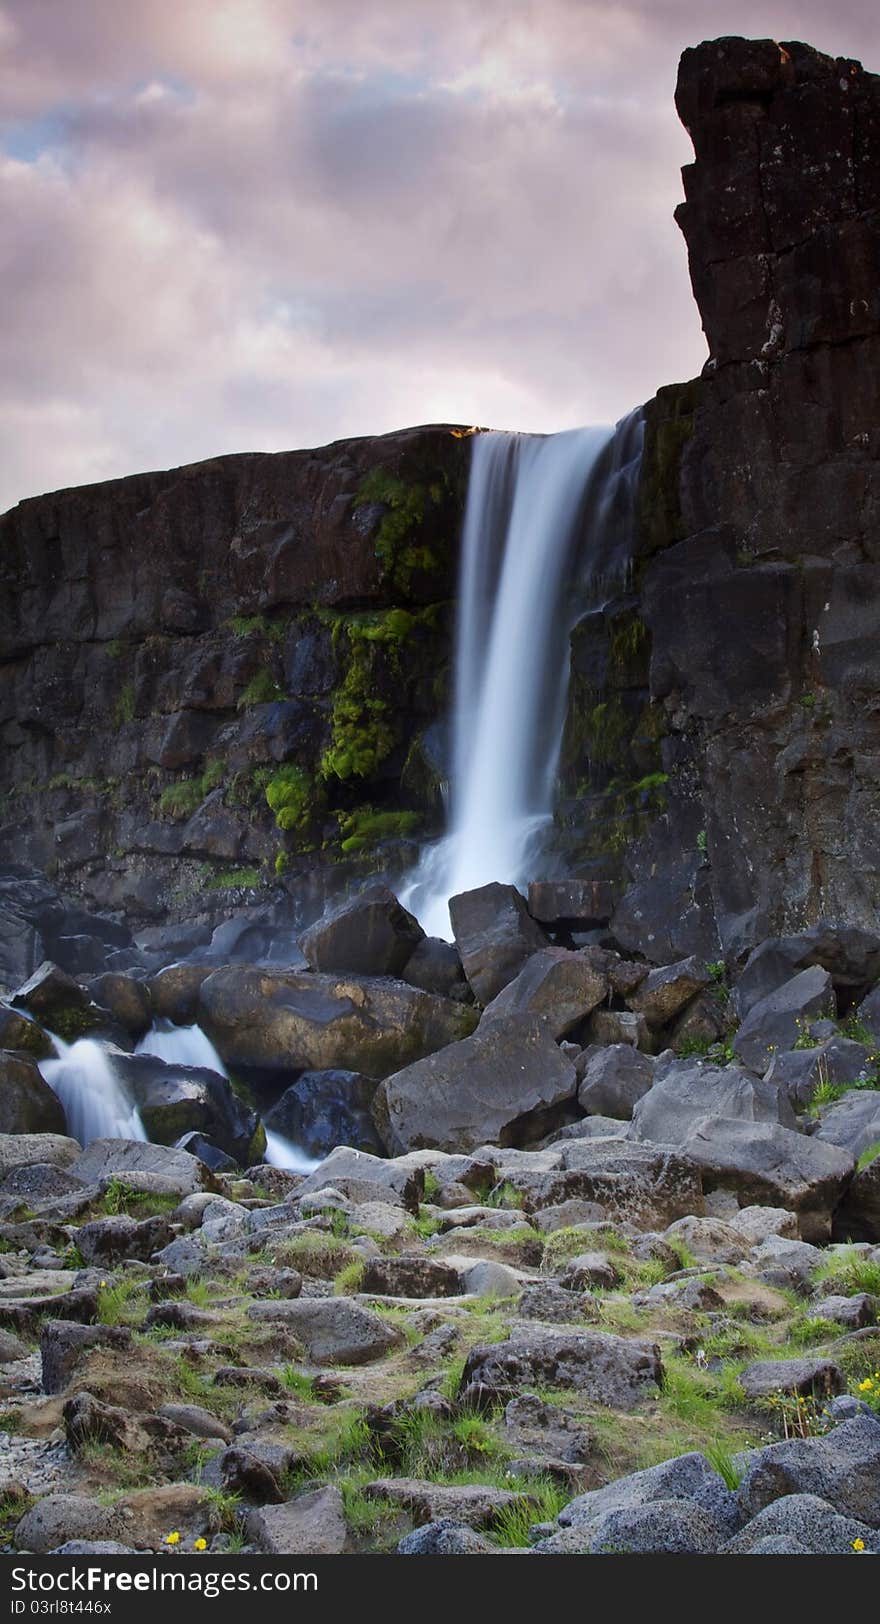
(190, 1046)
(95, 1103)
(535, 506)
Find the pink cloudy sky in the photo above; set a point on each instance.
(254, 224)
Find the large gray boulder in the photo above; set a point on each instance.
(613, 1080)
(663, 1527)
(27, 1103)
(484, 1089)
(684, 1477)
(776, 1021)
(30, 1149)
(762, 1162)
(808, 1524)
(609, 1370)
(294, 1020)
(614, 1180)
(843, 1468)
(323, 1109)
(495, 935)
(362, 1178)
(333, 1330)
(58, 1518)
(312, 1524)
(811, 1374)
(685, 1091)
(799, 1072)
(178, 1173)
(561, 986)
(370, 935)
(853, 1123)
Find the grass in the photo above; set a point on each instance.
(317, 1254)
(722, 1460)
(850, 1272)
(121, 1303)
(542, 1502)
(296, 1382)
(261, 690)
(117, 1472)
(15, 1501)
(349, 1280)
(869, 1155)
(120, 1198)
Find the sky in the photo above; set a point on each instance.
(235, 225)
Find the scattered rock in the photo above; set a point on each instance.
(371, 935)
(334, 1330)
(313, 1524)
(607, 1369)
(495, 935)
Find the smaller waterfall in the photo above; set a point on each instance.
(190, 1046)
(95, 1103)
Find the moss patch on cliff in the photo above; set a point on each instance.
(401, 547)
(365, 719)
(365, 828)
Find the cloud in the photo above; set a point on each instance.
(252, 224)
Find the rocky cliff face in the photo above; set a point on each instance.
(229, 675)
(760, 504)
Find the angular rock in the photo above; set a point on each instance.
(312, 1524)
(64, 1345)
(850, 955)
(617, 1026)
(571, 904)
(333, 1330)
(787, 1264)
(174, 992)
(757, 1224)
(323, 1109)
(801, 1071)
(613, 1080)
(851, 1312)
(684, 1478)
(495, 935)
(57, 1518)
(362, 1178)
(39, 1182)
(808, 1525)
(606, 1369)
(686, 1091)
(612, 1179)
(560, 986)
(473, 1504)
(58, 1002)
(27, 1103)
(127, 1000)
(668, 1527)
(436, 967)
(666, 991)
(370, 935)
(776, 1022)
(487, 1088)
(843, 1467)
(126, 1158)
(299, 1021)
(858, 1216)
(108, 1241)
(174, 1099)
(761, 1161)
(853, 1123)
(445, 1538)
(811, 1374)
(21, 1032)
(26, 1149)
(710, 1240)
(25, 1314)
(413, 1276)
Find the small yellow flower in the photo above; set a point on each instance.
(200, 1545)
(866, 1385)
(172, 1539)
(858, 1545)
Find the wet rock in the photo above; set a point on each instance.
(126, 1000)
(495, 935)
(323, 1109)
(370, 935)
(27, 1104)
(20, 1032)
(174, 992)
(58, 1002)
(485, 1088)
(174, 1099)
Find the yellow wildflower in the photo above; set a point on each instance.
(858, 1545)
(200, 1545)
(172, 1539)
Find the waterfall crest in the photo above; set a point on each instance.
(541, 511)
(95, 1102)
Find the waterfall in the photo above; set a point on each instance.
(190, 1046)
(95, 1103)
(542, 513)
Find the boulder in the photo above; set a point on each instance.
(776, 1021)
(849, 954)
(612, 1180)
(608, 1370)
(799, 1072)
(312, 1524)
(174, 992)
(853, 1123)
(686, 1091)
(683, 1478)
(492, 1087)
(323, 1109)
(802, 1524)
(64, 1344)
(173, 1099)
(868, 1012)
(571, 904)
(58, 1002)
(58, 1518)
(853, 1313)
(370, 935)
(858, 1216)
(196, 1144)
(435, 966)
(363, 1178)
(666, 991)
(613, 1026)
(128, 1158)
(27, 1149)
(613, 1080)
(27, 1103)
(410, 1276)
(495, 936)
(764, 1162)
(710, 1240)
(297, 1020)
(560, 986)
(26, 1313)
(445, 1538)
(476, 1505)
(333, 1330)
(843, 1468)
(21, 1032)
(126, 1000)
(757, 1224)
(667, 1527)
(785, 1263)
(120, 1239)
(811, 1375)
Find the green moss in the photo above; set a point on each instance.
(364, 725)
(256, 626)
(73, 1023)
(400, 548)
(182, 799)
(365, 828)
(229, 879)
(261, 690)
(294, 798)
(124, 711)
